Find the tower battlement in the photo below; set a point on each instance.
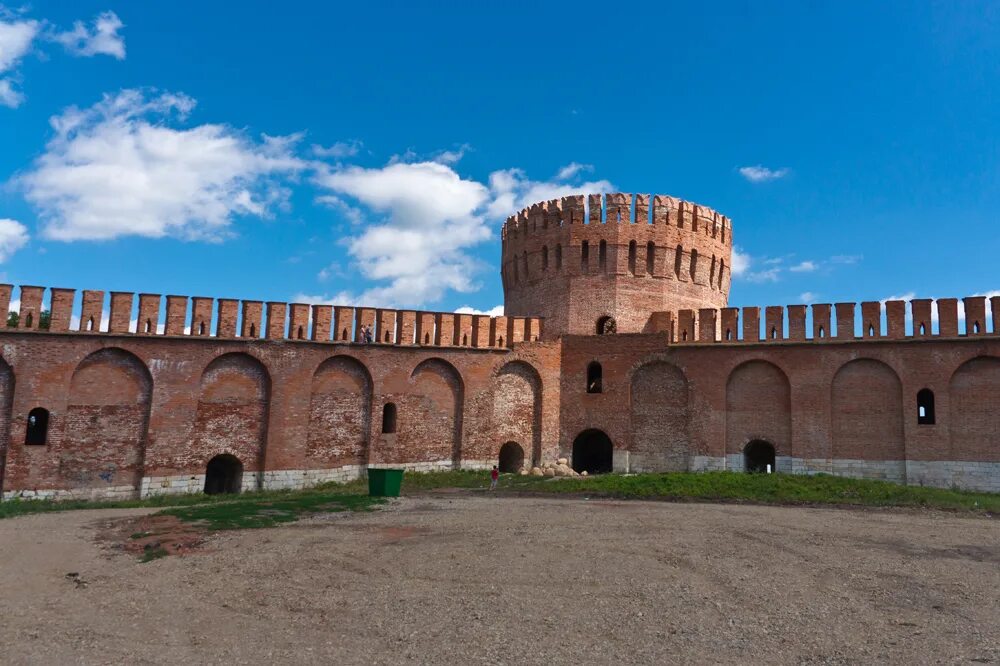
(583, 259)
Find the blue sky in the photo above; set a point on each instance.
(369, 152)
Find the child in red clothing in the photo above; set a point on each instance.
(494, 475)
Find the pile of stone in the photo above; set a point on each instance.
(558, 468)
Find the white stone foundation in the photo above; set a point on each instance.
(982, 476)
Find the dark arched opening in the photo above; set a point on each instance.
(592, 452)
(389, 418)
(37, 431)
(511, 458)
(224, 474)
(925, 407)
(595, 378)
(606, 325)
(758, 456)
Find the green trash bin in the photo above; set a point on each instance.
(384, 482)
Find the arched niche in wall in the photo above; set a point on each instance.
(106, 421)
(866, 418)
(659, 399)
(232, 412)
(340, 404)
(517, 407)
(974, 413)
(433, 410)
(758, 406)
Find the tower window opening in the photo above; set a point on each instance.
(923, 330)
(500, 341)
(465, 339)
(149, 326)
(90, 324)
(389, 418)
(602, 255)
(722, 271)
(678, 257)
(594, 378)
(387, 337)
(606, 325)
(975, 327)
(201, 328)
(822, 332)
(925, 407)
(650, 257)
(545, 257)
(427, 338)
(584, 256)
(631, 257)
(559, 257)
(694, 264)
(729, 335)
(37, 431)
(871, 331)
(774, 333)
(711, 275)
(253, 331)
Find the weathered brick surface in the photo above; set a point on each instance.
(685, 385)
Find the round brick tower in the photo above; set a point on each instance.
(605, 264)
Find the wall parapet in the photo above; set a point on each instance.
(824, 322)
(121, 313)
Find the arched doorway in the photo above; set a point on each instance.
(758, 455)
(511, 458)
(592, 452)
(224, 474)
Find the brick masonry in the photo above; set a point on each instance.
(297, 398)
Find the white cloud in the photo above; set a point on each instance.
(338, 150)
(762, 174)
(572, 169)
(741, 262)
(451, 156)
(16, 37)
(13, 236)
(767, 275)
(119, 168)
(804, 267)
(808, 297)
(513, 190)
(101, 38)
(428, 218)
(496, 311)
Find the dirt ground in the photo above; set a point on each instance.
(502, 580)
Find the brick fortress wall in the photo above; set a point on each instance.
(142, 393)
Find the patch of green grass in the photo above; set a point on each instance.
(153, 554)
(268, 509)
(773, 489)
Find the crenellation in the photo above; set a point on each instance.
(594, 203)
(343, 323)
(60, 309)
(922, 309)
(121, 311)
(947, 317)
(975, 315)
(895, 319)
(251, 320)
(201, 316)
(406, 327)
(686, 331)
(821, 320)
(298, 321)
(533, 329)
(31, 307)
(481, 331)
(730, 324)
(227, 313)
(642, 209)
(5, 292)
(845, 320)
(797, 322)
(463, 330)
(751, 324)
(363, 317)
(995, 309)
(498, 332)
(426, 329)
(386, 326)
(774, 323)
(707, 324)
(871, 319)
(176, 313)
(276, 313)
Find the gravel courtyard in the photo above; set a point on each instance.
(461, 579)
